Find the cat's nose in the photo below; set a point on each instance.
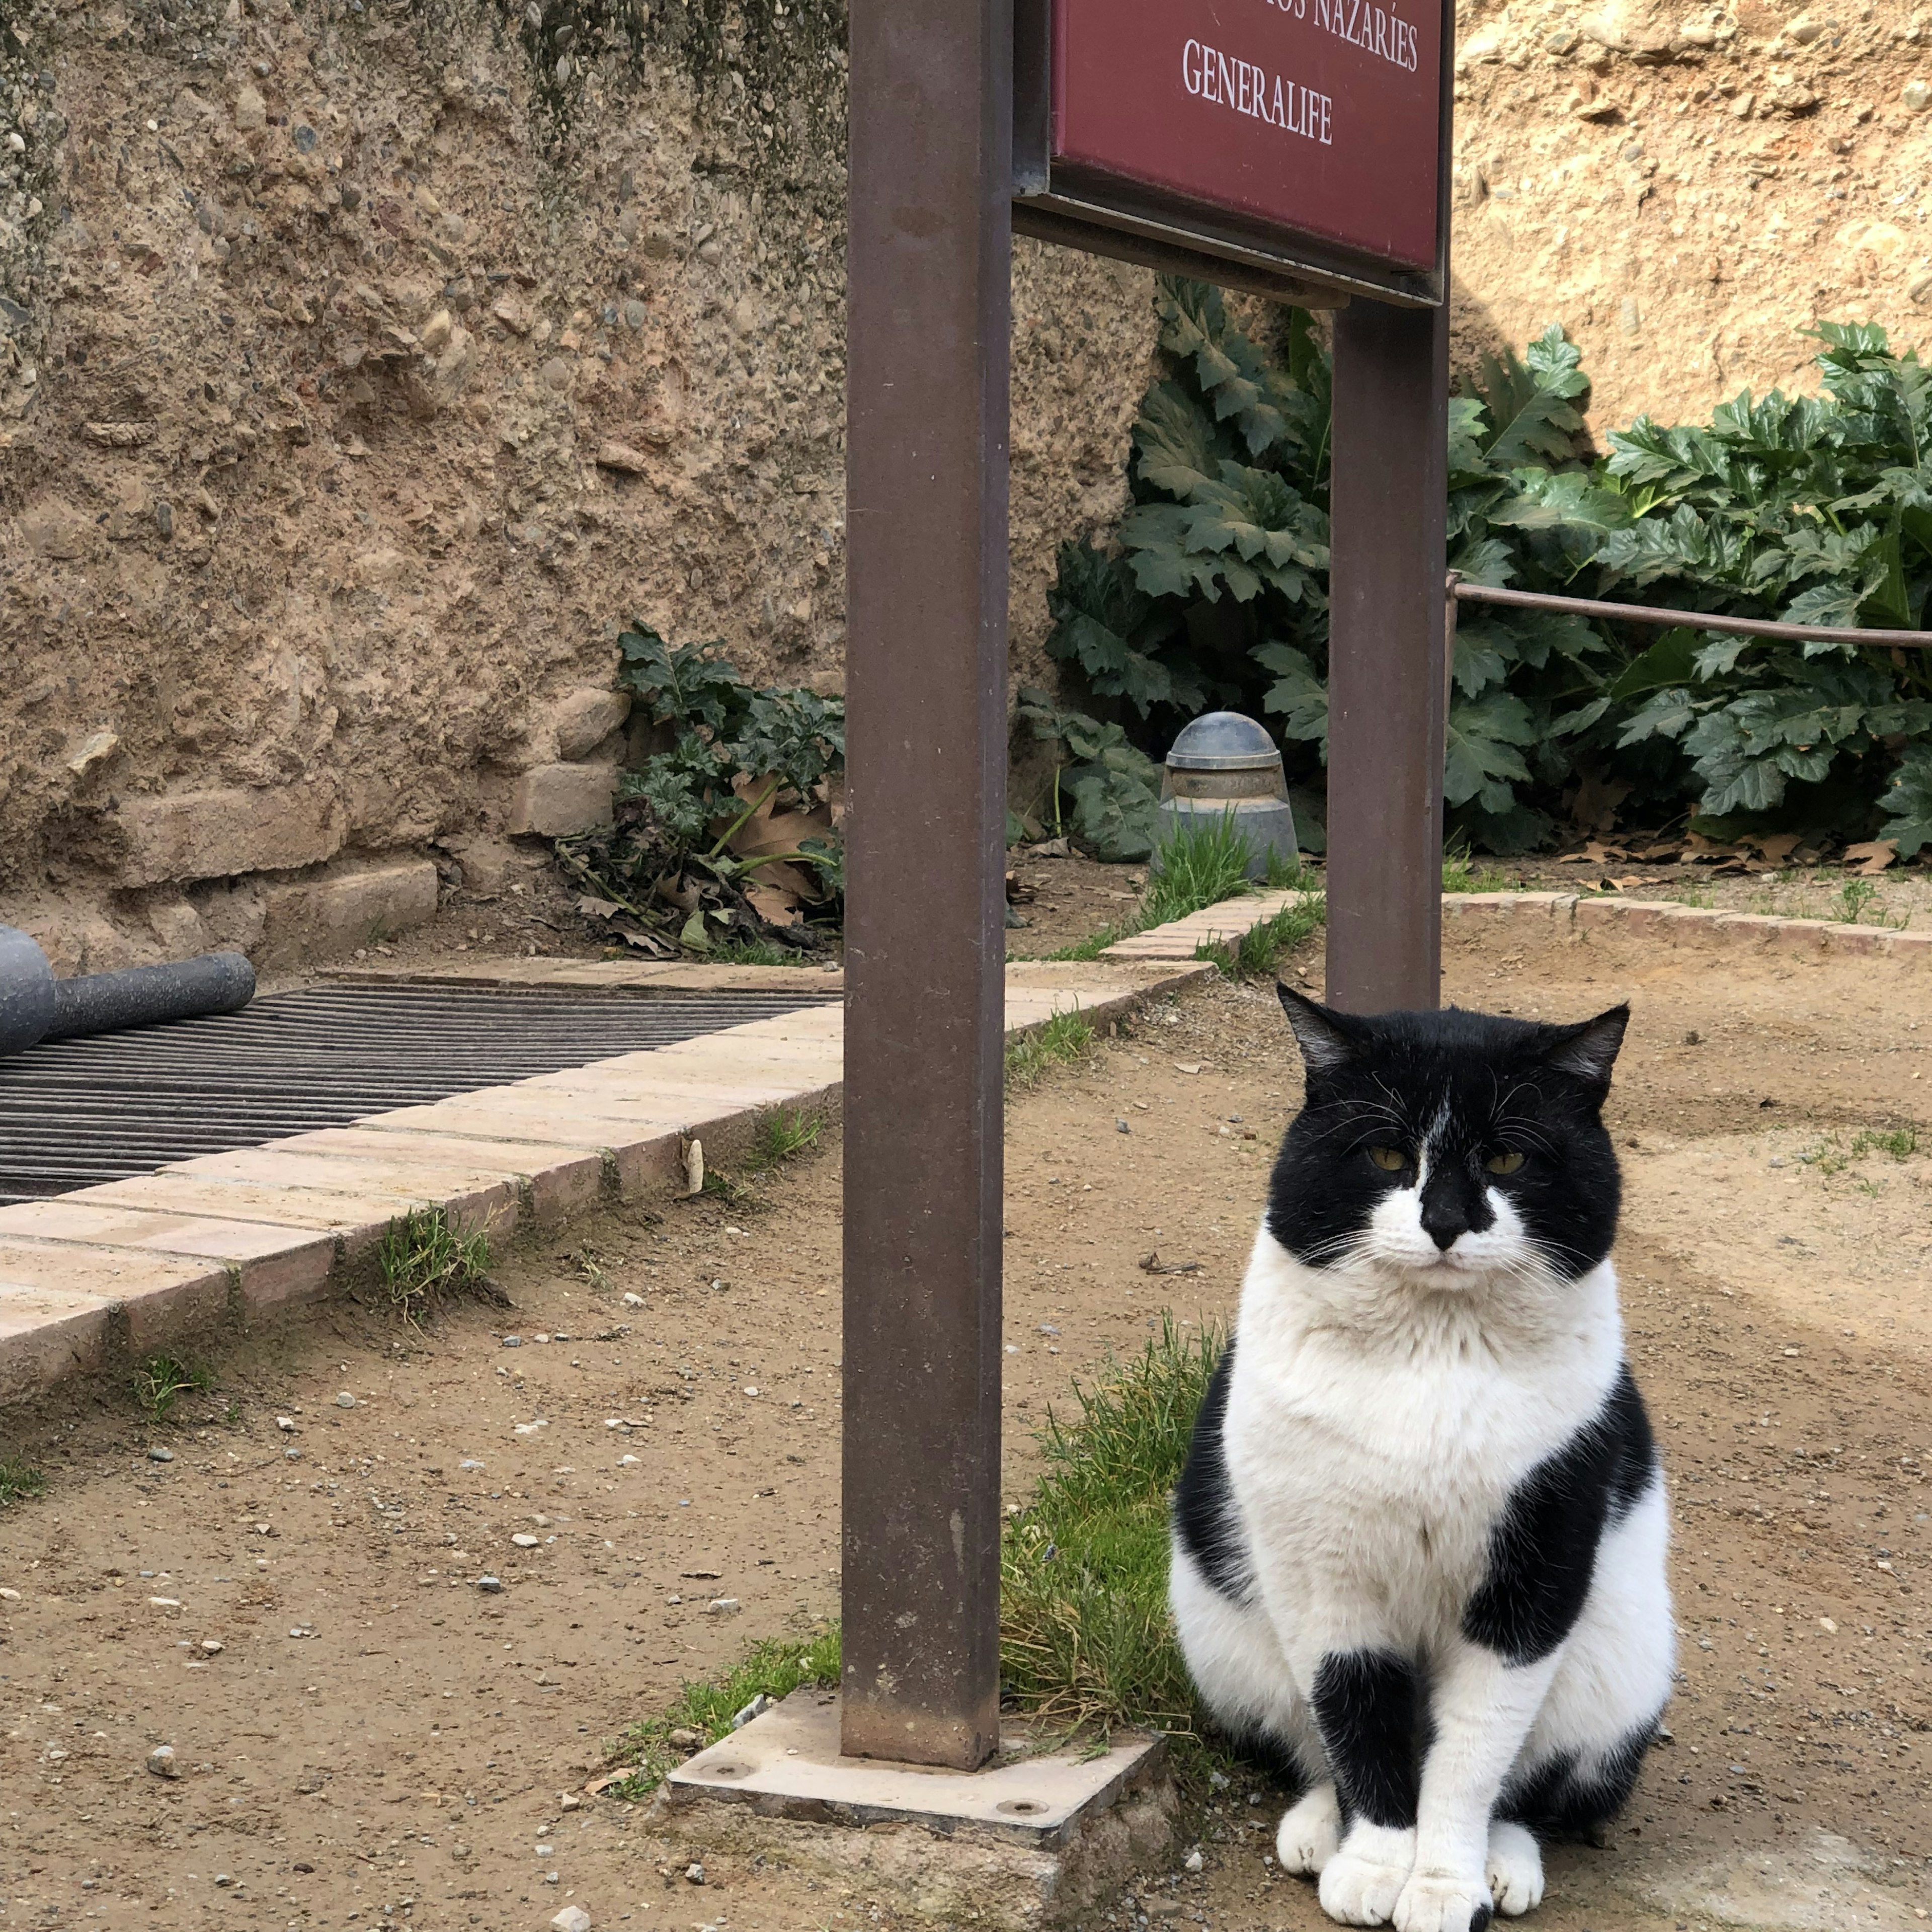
(1452, 1204)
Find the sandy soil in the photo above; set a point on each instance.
(375, 1732)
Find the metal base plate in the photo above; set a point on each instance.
(787, 1764)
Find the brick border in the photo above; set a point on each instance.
(1658, 921)
(91, 1278)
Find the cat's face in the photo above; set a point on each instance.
(1448, 1148)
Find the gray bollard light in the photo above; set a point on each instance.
(1225, 765)
(35, 1006)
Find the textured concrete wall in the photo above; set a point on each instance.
(362, 366)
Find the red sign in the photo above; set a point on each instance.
(1318, 116)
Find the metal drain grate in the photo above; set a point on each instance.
(83, 1112)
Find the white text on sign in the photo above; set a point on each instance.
(1362, 24)
(1228, 81)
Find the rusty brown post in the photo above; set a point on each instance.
(1385, 658)
(1387, 672)
(929, 263)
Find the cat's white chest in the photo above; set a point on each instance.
(1382, 1455)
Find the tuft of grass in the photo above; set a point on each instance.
(19, 1480)
(161, 1380)
(1854, 896)
(1202, 861)
(1259, 949)
(773, 1668)
(1901, 1143)
(1065, 1038)
(1461, 874)
(749, 952)
(1086, 1640)
(782, 1132)
(422, 1255)
(1086, 1637)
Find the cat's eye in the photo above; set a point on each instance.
(1390, 1160)
(1505, 1163)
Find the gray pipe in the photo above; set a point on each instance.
(35, 1006)
(217, 982)
(26, 991)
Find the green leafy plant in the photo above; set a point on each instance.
(1213, 589)
(1105, 790)
(423, 1256)
(161, 1380)
(1853, 896)
(716, 837)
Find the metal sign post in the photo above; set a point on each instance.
(1295, 148)
(928, 268)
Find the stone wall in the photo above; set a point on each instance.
(361, 366)
(1687, 188)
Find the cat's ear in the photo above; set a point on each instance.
(1326, 1038)
(1588, 1051)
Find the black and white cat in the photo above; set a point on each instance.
(1419, 1547)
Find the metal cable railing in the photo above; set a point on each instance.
(1463, 592)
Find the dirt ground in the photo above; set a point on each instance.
(379, 1741)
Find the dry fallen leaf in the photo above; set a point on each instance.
(1152, 1264)
(1873, 857)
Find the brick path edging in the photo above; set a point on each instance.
(92, 1280)
(1661, 921)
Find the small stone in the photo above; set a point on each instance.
(161, 1762)
(524, 1540)
(1828, 1625)
(286, 1423)
(1920, 290)
(632, 1300)
(1804, 31)
(10, 1596)
(1121, 1127)
(436, 332)
(490, 1586)
(570, 1801)
(212, 1646)
(345, 1400)
(572, 1918)
(556, 375)
(251, 111)
(1194, 1862)
(684, 1738)
(1916, 95)
(159, 1455)
(723, 1607)
(165, 1603)
(694, 1873)
(224, 1878)
(513, 1341)
(164, 520)
(634, 314)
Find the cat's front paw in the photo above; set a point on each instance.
(1514, 1870)
(1310, 1831)
(1361, 1882)
(1444, 1902)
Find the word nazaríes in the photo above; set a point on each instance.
(1231, 82)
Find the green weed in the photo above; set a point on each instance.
(422, 1255)
(749, 952)
(1259, 949)
(1461, 874)
(1065, 1038)
(1203, 861)
(773, 1668)
(1901, 1143)
(1854, 896)
(780, 1133)
(19, 1480)
(161, 1380)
